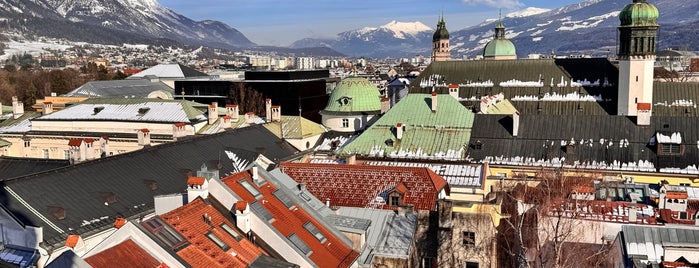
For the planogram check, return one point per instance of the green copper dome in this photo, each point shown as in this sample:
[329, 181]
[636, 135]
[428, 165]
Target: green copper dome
[354, 94]
[441, 33]
[639, 13]
[499, 46]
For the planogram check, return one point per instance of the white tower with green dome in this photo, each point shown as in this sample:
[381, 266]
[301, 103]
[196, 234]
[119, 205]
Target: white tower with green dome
[637, 32]
[500, 48]
[353, 105]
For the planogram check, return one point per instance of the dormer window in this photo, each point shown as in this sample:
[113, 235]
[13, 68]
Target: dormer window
[670, 144]
[345, 100]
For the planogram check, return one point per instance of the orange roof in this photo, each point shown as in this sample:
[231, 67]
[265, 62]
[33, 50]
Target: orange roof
[89, 140]
[434, 93]
[202, 251]
[357, 185]
[240, 205]
[250, 113]
[212, 106]
[643, 106]
[585, 189]
[180, 124]
[48, 102]
[385, 99]
[401, 187]
[105, 137]
[332, 252]
[75, 142]
[145, 130]
[268, 100]
[231, 105]
[72, 241]
[226, 117]
[196, 181]
[453, 86]
[119, 222]
[676, 195]
[124, 254]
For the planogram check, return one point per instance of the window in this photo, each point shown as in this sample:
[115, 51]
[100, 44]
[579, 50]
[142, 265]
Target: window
[345, 122]
[302, 246]
[231, 232]
[684, 184]
[251, 189]
[314, 231]
[469, 264]
[394, 200]
[469, 238]
[428, 262]
[218, 241]
[45, 153]
[669, 149]
[66, 154]
[27, 143]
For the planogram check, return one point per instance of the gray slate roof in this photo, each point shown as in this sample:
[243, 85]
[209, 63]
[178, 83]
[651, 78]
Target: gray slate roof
[11, 167]
[131, 88]
[82, 190]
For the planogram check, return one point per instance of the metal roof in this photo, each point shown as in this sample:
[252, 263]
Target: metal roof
[80, 190]
[141, 110]
[131, 88]
[427, 135]
[20, 125]
[650, 241]
[354, 94]
[11, 167]
[173, 70]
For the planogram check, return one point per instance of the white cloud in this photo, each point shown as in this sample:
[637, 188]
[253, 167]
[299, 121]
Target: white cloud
[507, 4]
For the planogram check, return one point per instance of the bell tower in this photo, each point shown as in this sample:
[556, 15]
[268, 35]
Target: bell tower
[637, 32]
[440, 42]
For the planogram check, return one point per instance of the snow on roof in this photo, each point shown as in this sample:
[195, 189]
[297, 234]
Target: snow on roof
[674, 138]
[146, 111]
[573, 96]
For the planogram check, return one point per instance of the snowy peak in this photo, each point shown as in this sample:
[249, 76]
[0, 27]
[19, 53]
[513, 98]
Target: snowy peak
[399, 29]
[530, 11]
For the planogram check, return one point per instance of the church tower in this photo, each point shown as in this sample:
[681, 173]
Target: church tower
[637, 32]
[440, 42]
[500, 48]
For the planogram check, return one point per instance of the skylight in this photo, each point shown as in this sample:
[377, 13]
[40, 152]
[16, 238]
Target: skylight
[251, 189]
[314, 231]
[296, 240]
[218, 241]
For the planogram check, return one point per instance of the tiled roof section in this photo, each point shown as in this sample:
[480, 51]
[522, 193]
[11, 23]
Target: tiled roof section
[240, 205]
[643, 106]
[295, 127]
[76, 188]
[124, 254]
[672, 217]
[72, 241]
[139, 110]
[605, 211]
[598, 142]
[332, 252]
[172, 70]
[202, 251]
[676, 195]
[75, 142]
[362, 185]
[131, 88]
[440, 135]
[464, 175]
[196, 180]
[11, 167]
[119, 222]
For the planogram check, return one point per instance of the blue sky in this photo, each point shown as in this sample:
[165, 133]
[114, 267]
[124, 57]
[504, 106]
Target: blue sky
[281, 22]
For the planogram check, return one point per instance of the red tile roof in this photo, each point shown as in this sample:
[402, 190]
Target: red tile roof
[676, 195]
[227, 117]
[48, 102]
[241, 205]
[180, 124]
[585, 189]
[119, 222]
[643, 106]
[360, 185]
[124, 254]
[331, 253]
[75, 142]
[202, 251]
[669, 216]
[145, 130]
[453, 86]
[72, 241]
[196, 180]
[89, 140]
[231, 105]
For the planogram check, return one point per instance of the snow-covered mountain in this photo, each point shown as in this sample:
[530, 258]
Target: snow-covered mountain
[114, 21]
[588, 27]
[391, 39]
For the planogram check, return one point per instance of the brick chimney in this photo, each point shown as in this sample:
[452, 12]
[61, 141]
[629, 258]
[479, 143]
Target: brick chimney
[48, 108]
[385, 105]
[268, 110]
[250, 118]
[434, 102]
[643, 114]
[144, 137]
[226, 122]
[399, 131]
[276, 113]
[454, 91]
[213, 113]
[232, 111]
[17, 108]
[515, 124]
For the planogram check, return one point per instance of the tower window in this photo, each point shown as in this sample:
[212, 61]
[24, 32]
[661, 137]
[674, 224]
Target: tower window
[637, 78]
[345, 122]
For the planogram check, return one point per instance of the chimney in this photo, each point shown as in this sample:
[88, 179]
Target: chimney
[327, 202]
[17, 108]
[242, 216]
[268, 110]
[454, 91]
[76, 243]
[197, 186]
[385, 105]
[104, 146]
[302, 186]
[144, 137]
[515, 124]
[643, 114]
[352, 160]
[434, 101]
[399, 131]
[232, 111]
[178, 130]
[444, 209]
[89, 149]
[276, 113]
[119, 222]
[255, 174]
[48, 108]
[226, 122]
[250, 118]
[632, 214]
[213, 113]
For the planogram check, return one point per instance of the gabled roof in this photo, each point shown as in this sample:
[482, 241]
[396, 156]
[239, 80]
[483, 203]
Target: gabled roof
[125, 254]
[427, 135]
[68, 259]
[173, 70]
[19, 125]
[293, 226]
[295, 127]
[649, 241]
[362, 185]
[130, 88]
[596, 141]
[11, 167]
[202, 251]
[138, 110]
[126, 181]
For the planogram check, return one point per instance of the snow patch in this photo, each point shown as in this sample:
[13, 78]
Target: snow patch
[530, 11]
[537, 39]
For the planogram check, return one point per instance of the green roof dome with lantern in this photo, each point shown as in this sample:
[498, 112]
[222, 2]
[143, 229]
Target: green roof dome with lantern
[499, 46]
[639, 13]
[354, 94]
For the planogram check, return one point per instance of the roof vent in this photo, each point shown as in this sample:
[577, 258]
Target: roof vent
[144, 110]
[98, 109]
[58, 213]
